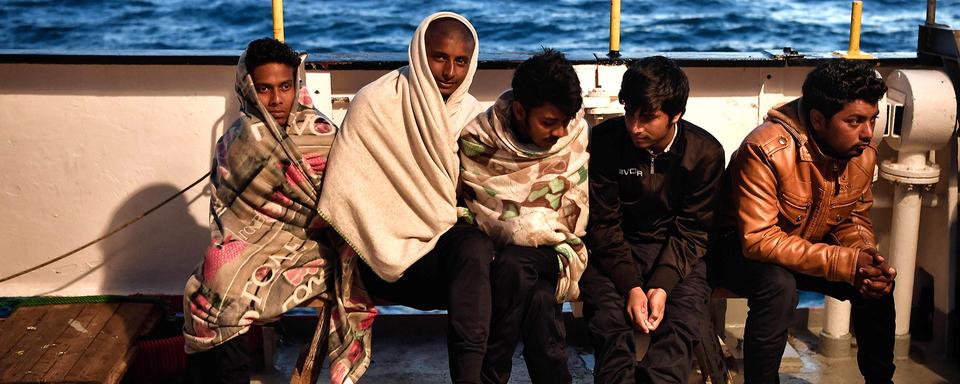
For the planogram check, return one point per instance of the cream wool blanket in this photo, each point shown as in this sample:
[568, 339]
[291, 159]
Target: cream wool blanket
[390, 189]
[524, 195]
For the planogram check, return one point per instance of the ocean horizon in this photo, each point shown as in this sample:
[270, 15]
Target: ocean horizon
[572, 26]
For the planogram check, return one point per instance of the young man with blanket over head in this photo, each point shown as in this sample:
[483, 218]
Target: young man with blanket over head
[525, 184]
[391, 188]
[653, 182]
[269, 251]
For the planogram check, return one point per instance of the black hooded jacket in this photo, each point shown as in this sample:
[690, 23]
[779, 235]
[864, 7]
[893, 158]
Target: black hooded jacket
[652, 210]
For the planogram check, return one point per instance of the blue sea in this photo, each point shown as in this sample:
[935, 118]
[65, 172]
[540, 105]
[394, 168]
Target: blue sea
[574, 26]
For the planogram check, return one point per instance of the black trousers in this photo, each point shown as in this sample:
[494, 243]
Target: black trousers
[455, 276]
[669, 357]
[524, 282]
[227, 363]
[771, 292]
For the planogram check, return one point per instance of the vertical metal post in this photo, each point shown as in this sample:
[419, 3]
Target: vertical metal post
[855, 16]
[614, 29]
[853, 51]
[278, 19]
[931, 12]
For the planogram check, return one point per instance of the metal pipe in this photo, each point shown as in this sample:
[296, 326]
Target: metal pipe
[855, 15]
[836, 322]
[835, 336]
[931, 12]
[614, 29]
[278, 20]
[904, 235]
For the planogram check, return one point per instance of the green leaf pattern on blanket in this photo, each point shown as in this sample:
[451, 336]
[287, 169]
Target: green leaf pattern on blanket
[556, 185]
[565, 250]
[553, 199]
[472, 148]
[510, 210]
[490, 191]
[534, 195]
[582, 172]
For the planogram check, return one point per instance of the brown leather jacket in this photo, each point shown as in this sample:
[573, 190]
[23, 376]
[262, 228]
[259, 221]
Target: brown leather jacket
[797, 207]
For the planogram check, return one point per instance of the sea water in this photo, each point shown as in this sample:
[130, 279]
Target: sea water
[368, 26]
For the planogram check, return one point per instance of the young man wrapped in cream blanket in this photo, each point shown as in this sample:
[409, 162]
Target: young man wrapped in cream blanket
[391, 188]
[525, 180]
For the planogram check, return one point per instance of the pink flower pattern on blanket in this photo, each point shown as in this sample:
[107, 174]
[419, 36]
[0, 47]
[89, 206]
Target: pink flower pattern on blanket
[354, 353]
[366, 323]
[200, 308]
[294, 176]
[280, 198]
[322, 126]
[296, 275]
[305, 99]
[218, 255]
[202, 330]
[338, 372]
[316, 161]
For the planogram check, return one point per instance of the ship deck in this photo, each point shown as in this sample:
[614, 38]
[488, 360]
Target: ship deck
[410, 349]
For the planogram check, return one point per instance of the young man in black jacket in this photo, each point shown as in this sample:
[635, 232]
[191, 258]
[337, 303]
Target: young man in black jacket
[653, 179]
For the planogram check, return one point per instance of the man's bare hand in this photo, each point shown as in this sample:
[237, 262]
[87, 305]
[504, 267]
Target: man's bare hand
[637, 308]
[657, 303]
[874, 277]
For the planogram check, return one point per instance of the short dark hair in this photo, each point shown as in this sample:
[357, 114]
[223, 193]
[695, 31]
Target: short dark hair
[448, 26]
[547, 77]
[267, 50]
[653, 84]
[837, 82]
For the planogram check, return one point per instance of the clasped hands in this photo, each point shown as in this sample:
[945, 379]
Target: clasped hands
[874, 276]
[646, 308]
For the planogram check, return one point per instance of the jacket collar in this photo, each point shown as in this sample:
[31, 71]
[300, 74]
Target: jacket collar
[789, 116]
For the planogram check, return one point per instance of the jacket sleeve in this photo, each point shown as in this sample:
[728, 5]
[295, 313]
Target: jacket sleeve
[754, 196]
[610, 253]
[688, 236]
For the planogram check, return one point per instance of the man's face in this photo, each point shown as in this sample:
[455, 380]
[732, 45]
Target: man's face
[544, 125]
[849, 131]
[449, 57]
[652, 132]
[275, 89]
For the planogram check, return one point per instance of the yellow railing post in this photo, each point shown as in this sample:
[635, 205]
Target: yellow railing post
[278, 19]
[853, 50]
[614, 29]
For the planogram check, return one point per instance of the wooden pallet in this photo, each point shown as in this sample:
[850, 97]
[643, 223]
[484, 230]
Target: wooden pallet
[86, 343]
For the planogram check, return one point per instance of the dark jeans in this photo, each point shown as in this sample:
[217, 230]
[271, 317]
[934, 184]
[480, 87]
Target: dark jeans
[669, 357]
[227, 363]
[455, 276]
[524, 282]
[771, 292]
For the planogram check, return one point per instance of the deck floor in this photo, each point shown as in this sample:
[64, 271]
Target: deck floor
[72, 342]
[407, 349]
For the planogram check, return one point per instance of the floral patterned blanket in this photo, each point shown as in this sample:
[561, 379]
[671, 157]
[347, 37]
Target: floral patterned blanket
[521, 194]
[270, 250]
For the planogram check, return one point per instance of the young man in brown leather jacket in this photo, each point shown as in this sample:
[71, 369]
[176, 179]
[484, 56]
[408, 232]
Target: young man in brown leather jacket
[800, 199]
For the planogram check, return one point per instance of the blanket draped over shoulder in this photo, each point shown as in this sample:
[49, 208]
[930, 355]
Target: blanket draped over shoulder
[270, 250]
[391, 185]
[521, 194]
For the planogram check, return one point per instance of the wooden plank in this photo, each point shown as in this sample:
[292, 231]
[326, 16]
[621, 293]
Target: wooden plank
[32, 346]
[15, 327]
[110, 347]
[74, 342]
[118, 370]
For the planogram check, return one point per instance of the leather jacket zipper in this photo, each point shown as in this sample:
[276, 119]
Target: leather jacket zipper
[836, 179]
